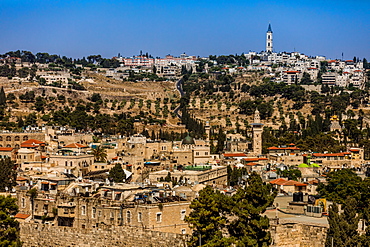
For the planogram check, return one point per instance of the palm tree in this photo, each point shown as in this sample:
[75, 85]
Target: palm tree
[100, 154]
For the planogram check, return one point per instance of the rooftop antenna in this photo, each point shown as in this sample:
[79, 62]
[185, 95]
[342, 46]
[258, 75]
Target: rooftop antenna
[342, 56]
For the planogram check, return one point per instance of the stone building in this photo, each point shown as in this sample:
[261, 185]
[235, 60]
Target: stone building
[193, 174]
[81, 206]
[14, 139]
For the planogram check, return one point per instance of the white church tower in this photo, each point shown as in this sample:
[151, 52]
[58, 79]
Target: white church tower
[269, 39]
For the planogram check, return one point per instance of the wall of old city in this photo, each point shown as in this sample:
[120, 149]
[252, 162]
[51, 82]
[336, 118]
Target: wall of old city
[33, 235]
[298, 235]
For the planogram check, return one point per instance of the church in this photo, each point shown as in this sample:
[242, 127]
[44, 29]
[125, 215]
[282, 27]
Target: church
[269, 43]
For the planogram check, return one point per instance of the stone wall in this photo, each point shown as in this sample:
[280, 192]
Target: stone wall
[289, 234]
[34, 235]
[285, 234]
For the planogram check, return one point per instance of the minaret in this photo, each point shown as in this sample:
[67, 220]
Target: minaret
[257, 128]
[207, 129]
[269, 45]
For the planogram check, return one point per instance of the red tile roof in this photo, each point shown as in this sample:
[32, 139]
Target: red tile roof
[281, 181]
[292, 72]
[22, 216]
[31, 143]
[234, 155]
[329, 154]
[251, 164]
[278, 181]
[251, 159]
[286, 148]
[75, 145]
[6, 149]
[254, 159]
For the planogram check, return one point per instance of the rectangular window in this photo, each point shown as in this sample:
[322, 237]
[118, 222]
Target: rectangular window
[182, 214]
[159, 217]
[139, 217]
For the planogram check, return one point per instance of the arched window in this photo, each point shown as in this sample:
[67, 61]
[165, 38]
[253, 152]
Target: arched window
[25, 138]
[83, 210]
[8, 146]
[1, 138]
[8, 138]
[128, 216]
[93, 213]
[16, 138]
[17, 146]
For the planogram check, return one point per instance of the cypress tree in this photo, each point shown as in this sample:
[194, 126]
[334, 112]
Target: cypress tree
[8, 174]
[250, 228]
[117, 173]
[2, 98]
[343, 226]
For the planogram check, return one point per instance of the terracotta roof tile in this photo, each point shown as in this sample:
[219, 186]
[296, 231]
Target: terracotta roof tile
[22, 216]
[75, 145]
[234, 155]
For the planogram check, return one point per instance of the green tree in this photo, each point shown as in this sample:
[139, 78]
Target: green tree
[8, 174]
[117, 173]
[9, 227]
[343, 226]
[2, 98]
[168, 177]
[220, 220]
[208, 219]
[341, 185]
[249, 227]
[221, 138]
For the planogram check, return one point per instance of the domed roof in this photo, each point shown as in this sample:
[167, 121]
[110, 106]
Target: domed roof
[188, 140]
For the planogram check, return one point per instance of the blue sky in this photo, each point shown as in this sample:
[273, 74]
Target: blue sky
[82, 28]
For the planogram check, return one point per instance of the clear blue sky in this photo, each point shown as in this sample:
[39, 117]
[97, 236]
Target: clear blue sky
[82, 28]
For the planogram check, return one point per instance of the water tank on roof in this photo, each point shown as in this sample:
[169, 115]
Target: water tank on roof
[298, 197]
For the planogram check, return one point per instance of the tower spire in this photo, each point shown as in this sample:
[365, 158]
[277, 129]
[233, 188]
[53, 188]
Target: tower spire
[269, 45]
[269, 29]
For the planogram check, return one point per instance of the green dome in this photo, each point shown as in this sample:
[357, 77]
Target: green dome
[303, 165]
[188, 140]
